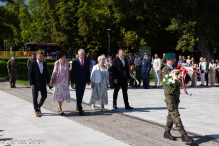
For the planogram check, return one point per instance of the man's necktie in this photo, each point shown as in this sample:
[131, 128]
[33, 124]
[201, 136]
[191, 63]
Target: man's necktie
[82, 64]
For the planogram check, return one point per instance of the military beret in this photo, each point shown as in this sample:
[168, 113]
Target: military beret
[13, 54]
[145, 54]
[33, 53]
[170, 55]
[136, 53]
[130, 54]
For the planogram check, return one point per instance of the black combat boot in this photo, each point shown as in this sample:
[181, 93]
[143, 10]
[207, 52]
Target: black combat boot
[14, 85]
[186, 138]
[11, 85]
[167, 135]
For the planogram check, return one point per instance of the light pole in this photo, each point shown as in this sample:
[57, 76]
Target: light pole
[109, 41]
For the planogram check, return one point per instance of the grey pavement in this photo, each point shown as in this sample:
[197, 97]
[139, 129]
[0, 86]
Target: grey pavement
[18, 124]
[199, 112]
[120, 126]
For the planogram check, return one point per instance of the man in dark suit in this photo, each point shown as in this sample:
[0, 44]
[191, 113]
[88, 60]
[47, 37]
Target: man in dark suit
[206, 72]
[131, 62]
[121, 76]
[146, 71]
[38, 77]
[80, 75]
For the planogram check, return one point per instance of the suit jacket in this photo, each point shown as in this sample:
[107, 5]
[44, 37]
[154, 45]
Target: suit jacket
[120, 72]
[78, 74]
[157, 65]
[35, 77]
[147, 65]
[138, 62]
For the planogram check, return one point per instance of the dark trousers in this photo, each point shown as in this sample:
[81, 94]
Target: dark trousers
[131, 82]
[138, 76]
[146, 79]
[35, 92]
[111, 80]
[79, 94]
[206, 78]
[124, 86]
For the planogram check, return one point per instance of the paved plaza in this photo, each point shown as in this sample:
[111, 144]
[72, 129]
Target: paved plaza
[199, 112]
[143, 126]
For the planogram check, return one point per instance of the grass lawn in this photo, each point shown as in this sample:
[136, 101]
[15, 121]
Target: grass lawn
[22, 77]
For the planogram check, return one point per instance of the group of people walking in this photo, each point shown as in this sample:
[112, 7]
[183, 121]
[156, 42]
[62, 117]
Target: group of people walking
[80, 77]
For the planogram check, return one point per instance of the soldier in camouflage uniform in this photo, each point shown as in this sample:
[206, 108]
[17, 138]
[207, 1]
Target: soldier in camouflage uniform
[172, 102]
[31, 59]
[13, 69]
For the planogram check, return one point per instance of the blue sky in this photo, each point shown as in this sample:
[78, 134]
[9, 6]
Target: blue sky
[4, 3]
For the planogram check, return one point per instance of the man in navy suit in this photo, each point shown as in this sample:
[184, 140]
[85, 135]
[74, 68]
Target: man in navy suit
[80, 75]
[206, 72]
[38, 76]
[146, 71]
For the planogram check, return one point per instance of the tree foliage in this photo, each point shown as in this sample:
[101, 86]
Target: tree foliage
[187, 26]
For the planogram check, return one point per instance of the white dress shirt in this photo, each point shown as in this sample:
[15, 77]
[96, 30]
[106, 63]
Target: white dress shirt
[80, 60]
[40, 64]
[171, 66]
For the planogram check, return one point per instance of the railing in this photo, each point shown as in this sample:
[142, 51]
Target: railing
[17, 53]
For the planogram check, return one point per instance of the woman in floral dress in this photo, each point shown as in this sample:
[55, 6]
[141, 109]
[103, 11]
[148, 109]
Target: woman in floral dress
[99, 84]
[61, 74]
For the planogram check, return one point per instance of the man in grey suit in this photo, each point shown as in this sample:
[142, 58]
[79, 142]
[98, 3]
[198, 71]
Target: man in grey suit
[138, 64]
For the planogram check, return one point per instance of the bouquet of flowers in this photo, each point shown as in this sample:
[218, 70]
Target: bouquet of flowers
[217, 69]
[108, 65]
[180, 65]
[177, 77]
[133, 72]
[172, 79]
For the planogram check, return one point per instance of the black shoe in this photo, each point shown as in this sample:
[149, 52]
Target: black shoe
[11, 86]
[146, 87]
[115, 107]
[167, 135]
[129, 108]
[186, 138]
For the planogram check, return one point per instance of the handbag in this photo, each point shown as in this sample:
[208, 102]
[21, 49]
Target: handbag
[53, 80]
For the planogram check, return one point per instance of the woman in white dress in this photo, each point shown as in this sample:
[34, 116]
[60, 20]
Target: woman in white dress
[99, 84]
[202, 69]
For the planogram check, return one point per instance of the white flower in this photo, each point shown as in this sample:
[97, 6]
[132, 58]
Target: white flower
[134, 72]
[173, 82]
[170, 80]
[164, 80]
[166, 76]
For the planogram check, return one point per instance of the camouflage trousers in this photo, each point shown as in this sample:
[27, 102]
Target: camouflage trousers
[172, 102]
[12, 76]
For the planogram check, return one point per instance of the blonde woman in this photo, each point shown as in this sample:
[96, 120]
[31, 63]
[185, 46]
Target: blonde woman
[99, 84]
[212, 68]
[202, 70]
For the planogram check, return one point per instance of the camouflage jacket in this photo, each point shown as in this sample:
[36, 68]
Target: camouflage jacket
[12, 65]
[29, 61]
[167, 90]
